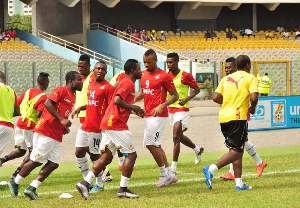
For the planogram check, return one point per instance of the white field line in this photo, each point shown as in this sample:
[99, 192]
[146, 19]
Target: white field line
[247, 175]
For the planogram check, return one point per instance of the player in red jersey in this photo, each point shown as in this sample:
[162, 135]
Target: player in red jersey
[48, 134]
[115, 133]
[89, 135]
[31, 105]
[179, 111]
[155, 83]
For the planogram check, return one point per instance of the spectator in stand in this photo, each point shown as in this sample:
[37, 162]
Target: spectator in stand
[6, 36]
[177, 30]
[213, 34]
[249, 32]
[228, 29]
[207, 35]
[269, 34]
[285, 34]
[280, 29]
[153, 35]
[230, 35]
[242, 32]
[129, 30]
[297, 34]
[12, 33]
[162, 36]
[144, 36]
[137, 36]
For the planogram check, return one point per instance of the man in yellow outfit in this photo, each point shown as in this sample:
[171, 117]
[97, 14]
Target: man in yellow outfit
[264, 84]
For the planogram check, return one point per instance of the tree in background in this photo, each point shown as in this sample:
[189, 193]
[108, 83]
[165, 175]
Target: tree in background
[20, 22]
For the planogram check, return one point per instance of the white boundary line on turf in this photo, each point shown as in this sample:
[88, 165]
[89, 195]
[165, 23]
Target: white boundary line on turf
[247, 175]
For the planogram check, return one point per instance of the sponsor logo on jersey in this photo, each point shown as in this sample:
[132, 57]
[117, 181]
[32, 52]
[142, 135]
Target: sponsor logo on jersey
[148, 91]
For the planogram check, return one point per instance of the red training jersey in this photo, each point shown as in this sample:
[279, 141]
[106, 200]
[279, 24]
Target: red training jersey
[115, 118]
[49, 126]
[121, 76]
[155, 87]
[99, 94]
[186, 79]
[81, 119]
[39, 106]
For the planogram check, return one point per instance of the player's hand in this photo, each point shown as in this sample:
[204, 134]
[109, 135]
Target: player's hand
[138, 111]
[66, 122]
[158, 110]
[66, 130]
[182, 102]
[252, 110]
[75, 113]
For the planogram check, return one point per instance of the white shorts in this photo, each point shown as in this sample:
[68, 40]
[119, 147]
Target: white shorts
[113, 140]
[5, 135]
[23, 139]
[179, 116]
[89, 139]
[45, 149]
[153, 130]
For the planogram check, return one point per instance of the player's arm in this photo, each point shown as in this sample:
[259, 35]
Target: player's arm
[50, 106]
[16, 111]
[195, 92]
[122, 104]
[253, 101]
[172, 99]
[139, 96]
[77, 111]
[218, 98]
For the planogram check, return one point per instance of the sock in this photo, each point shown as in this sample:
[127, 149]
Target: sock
[197, 149]
[18, 179]
[213, 168]
[4, 159]
[35, 183]
[163, 171]
[124, 181]
[239, 182]
[83, 166]
[251, 151]
[174, 166]
[90, 177]
[121, 160]
[99, 178]
[231, 169]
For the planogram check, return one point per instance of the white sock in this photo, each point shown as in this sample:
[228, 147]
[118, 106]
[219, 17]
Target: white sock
[239, 182]
[124, 181]
[18, 179]
[252, 152]
[99, 178]
[35, 183]
[197, 149]
[174, 165]
[121, 160]
[90, 177]
[83, 166]
[213, 168]
[163, 171]
[231, 169]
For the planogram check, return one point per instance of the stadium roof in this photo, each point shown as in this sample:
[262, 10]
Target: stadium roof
[194, 4]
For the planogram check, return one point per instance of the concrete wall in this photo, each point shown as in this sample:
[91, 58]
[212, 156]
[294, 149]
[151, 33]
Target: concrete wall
[57, 19]
[116, 47]
[74, 38]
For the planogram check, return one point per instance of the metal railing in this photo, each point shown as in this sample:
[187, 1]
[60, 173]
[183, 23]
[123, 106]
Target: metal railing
[132, 39]
[77, 48]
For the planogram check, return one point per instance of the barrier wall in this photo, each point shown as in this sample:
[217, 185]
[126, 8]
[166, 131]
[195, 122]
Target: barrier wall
[278, 112]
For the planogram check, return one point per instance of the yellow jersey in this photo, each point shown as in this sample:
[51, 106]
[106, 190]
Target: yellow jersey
[236, 89]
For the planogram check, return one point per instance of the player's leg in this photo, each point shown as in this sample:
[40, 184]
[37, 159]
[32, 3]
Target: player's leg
[121, 159]
[198, 150]
[25, 160]
[230, 174]
[82, 147]
[177, 133]
[260, 165]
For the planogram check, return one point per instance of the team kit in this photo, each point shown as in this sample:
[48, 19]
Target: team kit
[104, 108]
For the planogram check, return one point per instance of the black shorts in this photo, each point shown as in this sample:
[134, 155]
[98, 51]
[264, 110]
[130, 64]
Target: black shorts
[235, 133]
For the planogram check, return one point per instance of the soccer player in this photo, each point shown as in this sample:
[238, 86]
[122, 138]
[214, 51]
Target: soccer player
[230, 67]
[179, 111]
[31, 106]
[234, 93]
[89, 135]
[9, 108]
[155, 84]
[115, 133]
[48, 134]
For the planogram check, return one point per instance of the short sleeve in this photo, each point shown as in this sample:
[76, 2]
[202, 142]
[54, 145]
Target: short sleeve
[220, 87]
[123, 90]
[253, 85]
[56, 95]
[109, 93]
[39, 105]
[188, 79]
[168, 83]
